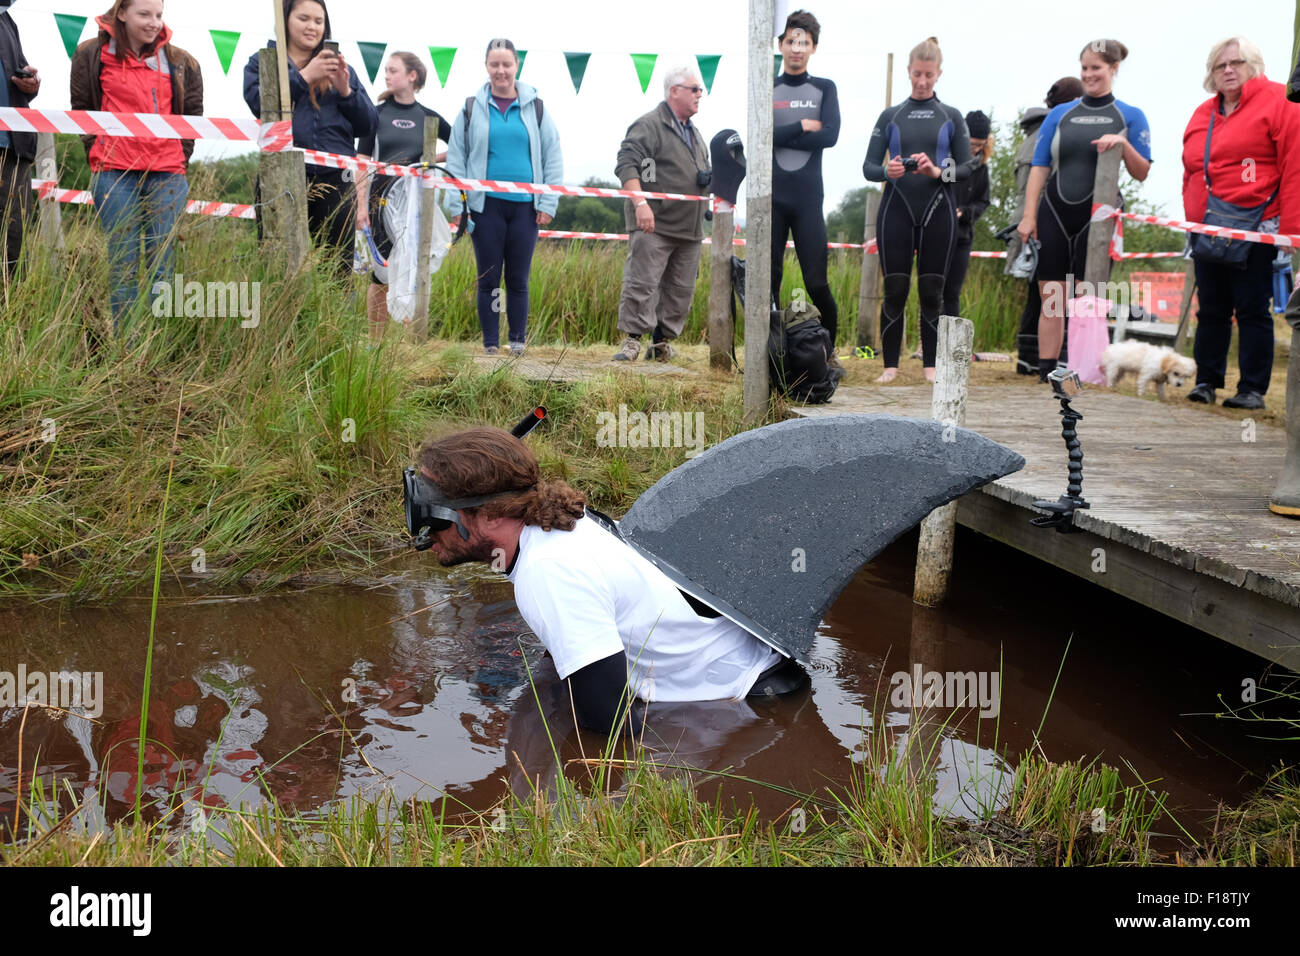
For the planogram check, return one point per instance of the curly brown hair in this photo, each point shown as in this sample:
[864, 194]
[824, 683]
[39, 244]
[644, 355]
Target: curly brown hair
[483, 461]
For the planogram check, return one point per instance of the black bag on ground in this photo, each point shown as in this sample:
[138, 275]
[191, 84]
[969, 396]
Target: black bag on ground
[798, 348]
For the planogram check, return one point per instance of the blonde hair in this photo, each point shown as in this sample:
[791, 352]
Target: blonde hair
[1248, 52]
[928, 51]
[1111, 51]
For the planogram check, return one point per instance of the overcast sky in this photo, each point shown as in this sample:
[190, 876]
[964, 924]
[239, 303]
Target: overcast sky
[999, 56]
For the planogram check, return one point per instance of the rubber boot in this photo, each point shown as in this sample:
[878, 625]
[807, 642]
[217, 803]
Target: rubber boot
[1285, 499]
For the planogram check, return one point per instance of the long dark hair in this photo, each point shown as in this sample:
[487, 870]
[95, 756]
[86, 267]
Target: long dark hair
[321, 86]
[481, 461]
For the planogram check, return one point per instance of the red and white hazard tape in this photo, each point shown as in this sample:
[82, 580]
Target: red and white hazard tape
[1102, 211]
[272, 137]
[47, 189]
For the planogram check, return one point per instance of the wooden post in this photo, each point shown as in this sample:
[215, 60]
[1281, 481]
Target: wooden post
[282, 59]
[1105, 190]
[758, 209]
[49, 223]
[722, 334]
[424, 247]
[1285, 499]
[282, 179]
[948, 405]
[1185, 313]
[869, 282]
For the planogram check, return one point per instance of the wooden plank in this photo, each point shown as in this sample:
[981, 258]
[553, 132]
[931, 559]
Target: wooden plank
[722, 333]
[1228, 612]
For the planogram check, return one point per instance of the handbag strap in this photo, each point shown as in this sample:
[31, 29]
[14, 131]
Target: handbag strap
[1206, 169]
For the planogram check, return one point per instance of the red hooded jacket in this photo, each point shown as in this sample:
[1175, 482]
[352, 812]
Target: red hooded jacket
[133, 85]
[1252, 151]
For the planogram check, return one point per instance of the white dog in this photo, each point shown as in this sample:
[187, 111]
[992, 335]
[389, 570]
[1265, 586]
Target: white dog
[1150, 363]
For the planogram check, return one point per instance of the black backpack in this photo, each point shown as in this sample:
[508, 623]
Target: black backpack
[798, 348]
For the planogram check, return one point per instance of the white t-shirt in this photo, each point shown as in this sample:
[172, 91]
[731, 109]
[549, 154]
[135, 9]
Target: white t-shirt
[588, 595]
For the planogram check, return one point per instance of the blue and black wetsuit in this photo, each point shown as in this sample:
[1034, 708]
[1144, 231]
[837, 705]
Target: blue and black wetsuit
[917, 215]
[797, 192]
[1065, 143]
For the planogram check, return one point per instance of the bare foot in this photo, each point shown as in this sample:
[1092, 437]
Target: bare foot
[888, 375]
[929, 373]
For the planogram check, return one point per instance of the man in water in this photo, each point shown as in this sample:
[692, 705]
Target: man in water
[616, 626]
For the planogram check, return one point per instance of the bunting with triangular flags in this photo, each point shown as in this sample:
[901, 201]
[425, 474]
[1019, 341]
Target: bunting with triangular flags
[225, 41]
[520, 54]
[645, 66]
[372, 54]
[577, 68]
[708, 68]
[442, 57]
[776, 65]
[70, 28]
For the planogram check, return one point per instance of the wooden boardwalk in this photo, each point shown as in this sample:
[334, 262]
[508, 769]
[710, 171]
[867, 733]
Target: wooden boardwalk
[1179, 502]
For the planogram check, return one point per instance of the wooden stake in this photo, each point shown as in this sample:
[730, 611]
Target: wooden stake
[869, 281]
[1185, 313]
[428, 202]
[282, 181]
[1105, 190]
[758, 209]
[49, 228]
[722, 333]
[282, 65]
[948, 405]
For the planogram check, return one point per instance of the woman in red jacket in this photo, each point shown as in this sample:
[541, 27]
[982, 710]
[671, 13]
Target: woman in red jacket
[1253, 160]
[139, 184]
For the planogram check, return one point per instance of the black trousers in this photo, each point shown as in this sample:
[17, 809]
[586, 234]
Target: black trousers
[15, 204]
[804, 219]
[332, 214]
[956, 276]
[900, 238]
[1222, 292]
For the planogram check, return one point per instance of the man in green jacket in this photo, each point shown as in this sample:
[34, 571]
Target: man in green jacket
[662, 152]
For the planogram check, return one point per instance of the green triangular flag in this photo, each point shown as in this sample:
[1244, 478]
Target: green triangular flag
[442, 57]
[577, 67]
[372, 54]
[708, 68]
[225, 41]
[645, 65]
[520, 54]
[70, 28]
[776, 65]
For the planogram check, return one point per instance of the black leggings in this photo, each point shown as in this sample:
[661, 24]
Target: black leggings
[931, 240]
[804, 219]
[956, 276]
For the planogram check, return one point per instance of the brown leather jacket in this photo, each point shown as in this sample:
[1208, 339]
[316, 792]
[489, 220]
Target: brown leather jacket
[86, 93]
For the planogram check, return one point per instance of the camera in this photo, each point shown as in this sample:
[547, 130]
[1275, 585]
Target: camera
[910, 164]
[703, 177]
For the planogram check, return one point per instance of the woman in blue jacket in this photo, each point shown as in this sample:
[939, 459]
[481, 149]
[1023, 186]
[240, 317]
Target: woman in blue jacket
[503, 133]
[330, 112]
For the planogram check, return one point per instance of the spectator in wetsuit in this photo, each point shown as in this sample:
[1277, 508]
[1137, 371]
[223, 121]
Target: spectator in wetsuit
[398, 139]
[1064, 90]
[917, 214]
[1058, 207]
[807, 121]
[971, 197]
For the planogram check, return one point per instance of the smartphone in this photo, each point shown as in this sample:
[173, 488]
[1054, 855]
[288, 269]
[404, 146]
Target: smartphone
[24, 74]
[332, 46]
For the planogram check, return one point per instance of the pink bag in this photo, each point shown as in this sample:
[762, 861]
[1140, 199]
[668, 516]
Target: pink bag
[1088, 337]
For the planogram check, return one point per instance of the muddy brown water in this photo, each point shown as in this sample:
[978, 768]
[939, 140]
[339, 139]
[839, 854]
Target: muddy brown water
[252, 696]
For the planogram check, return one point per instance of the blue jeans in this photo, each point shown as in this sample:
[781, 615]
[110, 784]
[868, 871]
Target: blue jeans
[134, 206]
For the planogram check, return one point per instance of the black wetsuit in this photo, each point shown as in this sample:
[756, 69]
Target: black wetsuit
[1065, 144]
[970, 198]
[398, 139]
[916, 215]
[797, 192]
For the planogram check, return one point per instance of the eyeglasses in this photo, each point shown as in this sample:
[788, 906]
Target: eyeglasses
[693, 89]
[1235, 64]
